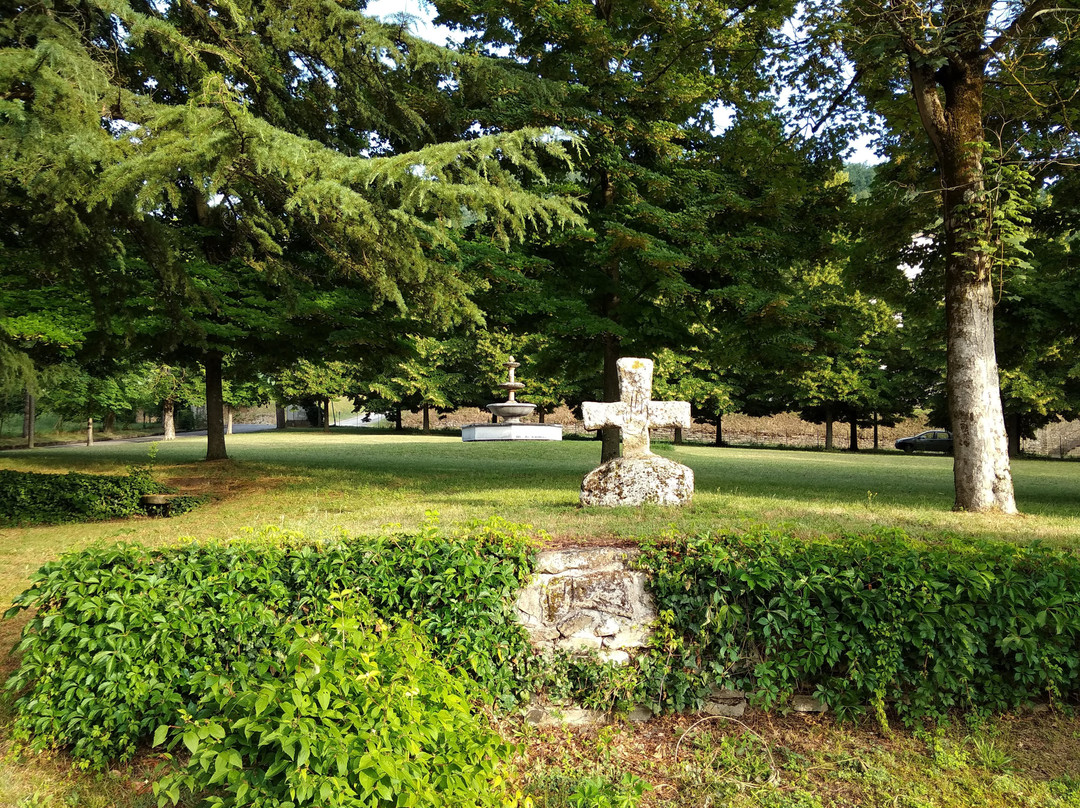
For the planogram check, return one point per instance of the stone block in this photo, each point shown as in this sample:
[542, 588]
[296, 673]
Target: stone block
[808, 704]
[629, 637]
[614, 657]
[608, 592]
[609, 628]
[637, 481]
[556, 562]
[580, 642]
[577, 623]
[639, 715]
[542, 634]
[729, 709]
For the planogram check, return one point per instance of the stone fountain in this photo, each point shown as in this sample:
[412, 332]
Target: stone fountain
[509, 413]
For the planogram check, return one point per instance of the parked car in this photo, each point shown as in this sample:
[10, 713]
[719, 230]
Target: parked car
[934, 440]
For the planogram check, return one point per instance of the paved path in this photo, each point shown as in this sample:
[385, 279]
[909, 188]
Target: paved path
[200, 433]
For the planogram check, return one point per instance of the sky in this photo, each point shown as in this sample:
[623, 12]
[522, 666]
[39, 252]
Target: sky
[861, 150]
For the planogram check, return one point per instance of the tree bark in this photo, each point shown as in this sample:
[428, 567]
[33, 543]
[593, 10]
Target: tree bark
[279, 416]
[678, 436]
[853, 434]
[215, 412]
[90, 431]
[228, 419]
[612, 436]
[110, 421]
[168, 418]
[720, 429]
[828, 429]
[953, 120]
[427, 418]
[1012, 429]
[541, 416]
[876, 444]
[326, 415]
[29, 419]
[397, 420]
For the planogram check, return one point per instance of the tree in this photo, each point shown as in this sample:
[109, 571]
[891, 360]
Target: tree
[307, 383]
[962, 61]
[270, 175]
[639, 84]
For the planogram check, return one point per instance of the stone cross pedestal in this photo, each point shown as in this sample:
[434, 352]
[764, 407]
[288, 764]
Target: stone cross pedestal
[638, 476]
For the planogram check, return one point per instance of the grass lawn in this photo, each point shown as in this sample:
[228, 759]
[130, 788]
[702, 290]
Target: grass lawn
[361, 481]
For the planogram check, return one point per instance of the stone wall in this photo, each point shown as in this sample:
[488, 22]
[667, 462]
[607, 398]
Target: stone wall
[587, 600]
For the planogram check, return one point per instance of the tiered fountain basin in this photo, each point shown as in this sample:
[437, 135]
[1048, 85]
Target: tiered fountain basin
[509, 426]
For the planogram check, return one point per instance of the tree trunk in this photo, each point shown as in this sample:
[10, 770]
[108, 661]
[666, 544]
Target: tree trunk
[29, 419]
[828, 429]
[326, 415]
[678, 436]
[611, 436]
[215, 408]
[427, 418]
[110, 422]
[397, 419]
[1012, 429]
[279, 416]
[541, 416]
[719, 429]
[954, 122]
[228, 419]
[168, 418]
[90, 431]
[853, 439]
[876, 444]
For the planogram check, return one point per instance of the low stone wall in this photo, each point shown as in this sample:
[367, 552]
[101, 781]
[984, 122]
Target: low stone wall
[587, 600]
[590, 600]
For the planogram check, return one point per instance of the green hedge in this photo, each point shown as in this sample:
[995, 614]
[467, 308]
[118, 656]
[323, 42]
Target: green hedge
[119, 634]
[350, 713]
[864, 620]
[27, 497]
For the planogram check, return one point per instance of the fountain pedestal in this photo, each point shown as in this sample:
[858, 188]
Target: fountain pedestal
[511, 411]
[511, 431]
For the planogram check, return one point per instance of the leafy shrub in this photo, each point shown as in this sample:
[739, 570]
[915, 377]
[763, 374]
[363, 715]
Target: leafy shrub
[866, 620]
[27, 497]
[356, 714]
[120, 633]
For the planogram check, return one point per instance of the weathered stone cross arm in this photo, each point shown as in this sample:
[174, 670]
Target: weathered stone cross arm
[635, 413]
[602, 414]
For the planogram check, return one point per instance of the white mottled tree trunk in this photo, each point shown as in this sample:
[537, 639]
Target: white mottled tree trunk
[981, 448]
[168, 418]
[950, 103]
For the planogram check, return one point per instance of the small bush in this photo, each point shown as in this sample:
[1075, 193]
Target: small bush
[865, 620]
[121, 633]
[30, 498]
[356, 714]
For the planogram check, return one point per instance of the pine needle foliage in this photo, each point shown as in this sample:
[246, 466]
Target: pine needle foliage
[150, 139]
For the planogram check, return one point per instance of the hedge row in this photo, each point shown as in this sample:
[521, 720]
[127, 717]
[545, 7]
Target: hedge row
[30, 498]
[126, 639]
[120, 634]
[865, 620]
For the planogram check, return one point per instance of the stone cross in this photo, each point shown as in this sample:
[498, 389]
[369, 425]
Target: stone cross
[635, 412]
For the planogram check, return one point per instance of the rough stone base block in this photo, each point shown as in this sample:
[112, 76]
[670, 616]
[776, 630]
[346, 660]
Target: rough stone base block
[587, 600]
[637, 480]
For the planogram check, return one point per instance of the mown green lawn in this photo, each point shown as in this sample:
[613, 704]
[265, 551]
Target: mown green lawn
[361, 481]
